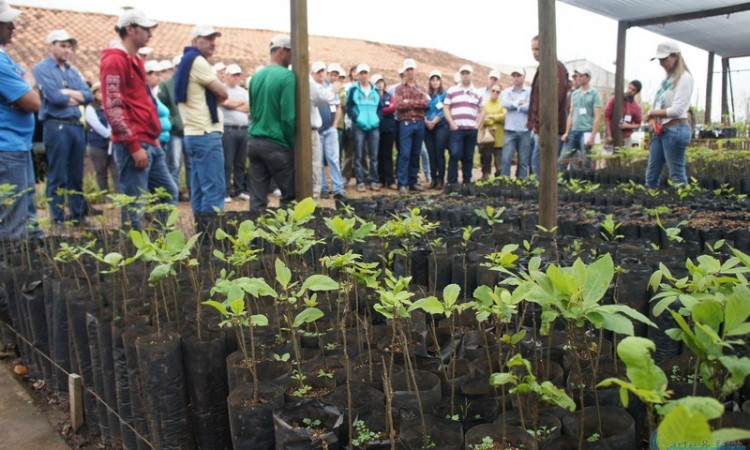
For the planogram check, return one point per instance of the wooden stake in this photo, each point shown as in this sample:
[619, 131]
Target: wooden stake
[548, 107]
[303, 136]
[75, 390]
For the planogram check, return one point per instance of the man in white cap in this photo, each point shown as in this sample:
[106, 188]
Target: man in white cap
[492, 80]
[131, 111]
[63, 91]
[18, 103]
[221, 71]
[362, 107]
[271, 144]
[329, 112]
[198, 93]
[463, 106]
[584, 118]
[235, 110]
[411, 101]
[515, 100]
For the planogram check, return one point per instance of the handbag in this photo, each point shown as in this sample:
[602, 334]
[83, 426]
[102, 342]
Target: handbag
[486, 136]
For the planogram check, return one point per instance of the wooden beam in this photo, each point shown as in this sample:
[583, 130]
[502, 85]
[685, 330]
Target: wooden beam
[724, 90]
[723, 11]
[622, 31]
[709, 88]
[301, 66]
[75, 394]
[548, 132]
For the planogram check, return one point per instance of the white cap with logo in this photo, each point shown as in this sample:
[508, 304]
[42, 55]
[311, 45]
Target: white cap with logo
[203, 31]
[135, 17]
[7, 13]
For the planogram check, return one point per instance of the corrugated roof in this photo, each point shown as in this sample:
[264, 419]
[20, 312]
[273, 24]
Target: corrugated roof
[728, 35]
[246, 47]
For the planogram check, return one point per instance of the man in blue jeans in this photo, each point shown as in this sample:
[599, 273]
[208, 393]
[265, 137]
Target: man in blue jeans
[412, 101]
[131, 111]
[63, 91]
[515, 100]
[198, 92]
[582, 126]
[18, 103]
[463, 107]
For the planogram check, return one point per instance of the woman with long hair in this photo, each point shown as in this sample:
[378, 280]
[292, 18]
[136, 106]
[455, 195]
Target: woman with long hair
[668, 117]
[437, 130]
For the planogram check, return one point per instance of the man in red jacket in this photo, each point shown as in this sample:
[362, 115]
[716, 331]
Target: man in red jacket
[131, 111]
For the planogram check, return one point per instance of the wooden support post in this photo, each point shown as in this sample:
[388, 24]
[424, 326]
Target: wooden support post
[75, 392]
[622, 30]
[724, 90]
[301, 66]
[709, 88]
[548, 129]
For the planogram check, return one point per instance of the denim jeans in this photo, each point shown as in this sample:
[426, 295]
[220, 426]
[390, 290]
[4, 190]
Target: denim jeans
[574, 148]
[436, 141]
[65, 145]
[329, 142]
[411, 137]
[235, 159]
[424, 159]
[520, 141]
[536, 150]
[135, 182]
[371, 138]
[385, 158]
[174, 159]
[462, 143]
[18, 214]
[269, 160]
[670, 148]
[207, 172]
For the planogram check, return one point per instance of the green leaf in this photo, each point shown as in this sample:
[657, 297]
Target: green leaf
[237, 307]
[628, 311]
[739, 368]
[642, 371]
[221, 234]
[729, 434]
[598, 277]
[308, 315]
[258, 320]
[739, 330]
[218, 306]
[303, 209]
[430, 305]
[159, 272]
[320, 283]
[708, 312]
[112, 259]
[500, 379]
[708, 406]
[682, 428]
[283, 274]
[173, 217]
[450, 294]
[737, 309]
[618, 324]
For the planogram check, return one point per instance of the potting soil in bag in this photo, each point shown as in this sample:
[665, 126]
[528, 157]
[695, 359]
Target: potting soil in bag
[92, 328]
[321, 431]
[252, 423]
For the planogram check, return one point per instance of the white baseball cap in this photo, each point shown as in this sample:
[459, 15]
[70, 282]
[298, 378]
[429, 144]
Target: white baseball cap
[135, 17]
[377, 77]
[281, 41]
[518, 70]
[317, 66]
[7, 13]
[335, 67]
[363, 68]
[435, 73]
[583, 70]
[234, 69]
[203, 31]
[152, 65]
[165, 64]
[494, 74]
[409, 63]
[466, 68]
[665, 49]
[145, 51]
[219, 66]
[60, 36]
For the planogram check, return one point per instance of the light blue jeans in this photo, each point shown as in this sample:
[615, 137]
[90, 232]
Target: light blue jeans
[521, 141]
[668, 148]
[574, 148]
[174, 158]
[535, 153]
[329, 142]
[17, 210]
[208, 185]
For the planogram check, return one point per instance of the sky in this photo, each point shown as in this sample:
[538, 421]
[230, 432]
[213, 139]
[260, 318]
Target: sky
[496, 31]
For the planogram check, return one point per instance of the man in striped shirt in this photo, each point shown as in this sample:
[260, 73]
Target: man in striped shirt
[463, 106]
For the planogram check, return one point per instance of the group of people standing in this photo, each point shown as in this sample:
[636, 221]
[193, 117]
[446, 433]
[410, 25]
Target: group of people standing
[143, 117]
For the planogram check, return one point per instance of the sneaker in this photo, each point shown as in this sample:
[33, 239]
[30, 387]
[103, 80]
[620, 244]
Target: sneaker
[324, 195]
[244, 196]
[393, 186]
[340, 196]
[361, 187]
[276, 193]
[403, 190]
[416, 188]
[375, 186]
[227, 199]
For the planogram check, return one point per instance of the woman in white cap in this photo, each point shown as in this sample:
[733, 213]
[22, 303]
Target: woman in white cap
[437, 131]
[668, 116]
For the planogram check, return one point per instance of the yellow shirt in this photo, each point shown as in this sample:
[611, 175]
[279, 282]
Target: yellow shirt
[195, 114]
[495, 116]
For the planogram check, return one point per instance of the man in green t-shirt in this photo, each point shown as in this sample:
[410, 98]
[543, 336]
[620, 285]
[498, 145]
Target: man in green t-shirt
[583, 122]
[271, 143]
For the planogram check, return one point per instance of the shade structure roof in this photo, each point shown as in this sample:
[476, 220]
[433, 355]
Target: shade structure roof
[719, 26]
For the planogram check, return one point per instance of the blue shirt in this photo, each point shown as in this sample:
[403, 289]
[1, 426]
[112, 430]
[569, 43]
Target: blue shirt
[16, 125]
[516, 103]
[51, 79]
[434, 111]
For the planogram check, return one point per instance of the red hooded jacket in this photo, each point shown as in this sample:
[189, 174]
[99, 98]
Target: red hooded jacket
[127, 100]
